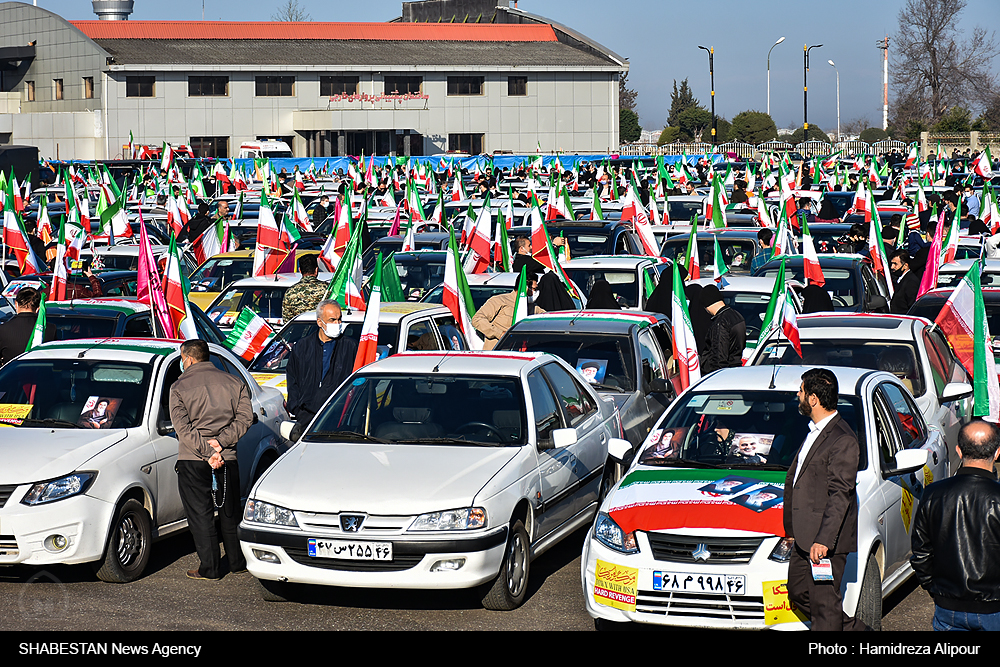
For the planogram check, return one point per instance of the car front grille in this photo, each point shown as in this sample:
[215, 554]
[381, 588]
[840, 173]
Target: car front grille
[701, 605]
[398, 563]
[6, 490]
[681, 548]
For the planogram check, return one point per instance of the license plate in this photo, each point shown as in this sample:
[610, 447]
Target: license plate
[350, 550]
[690, 582]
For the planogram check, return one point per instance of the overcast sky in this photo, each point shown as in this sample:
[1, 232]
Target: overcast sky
[660, 38]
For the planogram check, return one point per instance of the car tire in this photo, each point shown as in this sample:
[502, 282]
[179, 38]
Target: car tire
[272, 591]
[510, 587]
[869, 609]
[129, 545]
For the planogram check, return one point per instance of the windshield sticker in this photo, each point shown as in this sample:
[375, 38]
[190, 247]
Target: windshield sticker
[14, 413]
[761, 499]
[16, 286]
[698, 401]
[358, 382]
[99, 412]
[592, 370]
[663, 444]
[750, 448]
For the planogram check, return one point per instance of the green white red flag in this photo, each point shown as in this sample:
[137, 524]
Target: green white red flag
[249, 335]
[684, 343]
[368, 345]
[813, 272]
[38, 331]
[457, 296]
[774, 316]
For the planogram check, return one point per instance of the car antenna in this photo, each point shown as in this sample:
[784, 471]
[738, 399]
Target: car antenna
[100, 342]
[440, 361]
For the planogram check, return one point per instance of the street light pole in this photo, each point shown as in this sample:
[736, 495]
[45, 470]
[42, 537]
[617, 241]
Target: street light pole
[711, 73]
[805, 90]
[769, 74]
[838, 97]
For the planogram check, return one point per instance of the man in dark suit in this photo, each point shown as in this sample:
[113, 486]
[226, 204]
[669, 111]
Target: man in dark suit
[16, 332]
[820, 504]
[906, 283]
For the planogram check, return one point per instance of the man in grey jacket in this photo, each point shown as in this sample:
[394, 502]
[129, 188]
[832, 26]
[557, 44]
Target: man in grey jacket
[210, 411]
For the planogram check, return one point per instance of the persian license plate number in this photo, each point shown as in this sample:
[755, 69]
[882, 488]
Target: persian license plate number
[350, 550]
[690, 582]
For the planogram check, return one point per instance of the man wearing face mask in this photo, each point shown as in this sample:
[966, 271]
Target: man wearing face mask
[319, 364]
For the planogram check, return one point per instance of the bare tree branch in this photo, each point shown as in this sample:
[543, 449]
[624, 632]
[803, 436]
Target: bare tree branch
[291, 11]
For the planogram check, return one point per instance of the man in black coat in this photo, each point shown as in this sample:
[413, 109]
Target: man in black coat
[196, 226]
[319, 364]
[727, 334]
[906, 283]
[16, 332]
[820, 504]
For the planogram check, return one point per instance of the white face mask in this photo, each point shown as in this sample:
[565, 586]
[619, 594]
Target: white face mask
[531, 297]
[333, 329]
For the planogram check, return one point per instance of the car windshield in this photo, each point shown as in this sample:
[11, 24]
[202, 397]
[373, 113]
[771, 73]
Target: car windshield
[953, 278]
[737, 430]
[681, 211]
[265, 301]
[614, 353]
[274, 357]
[425, 409]
[840, 284]
[585, 244]
[624, 284]
[417, 277]
[72, 393]
[737, 253]
[71, 327]
[480, 293]
[219, 273]
[900, 359]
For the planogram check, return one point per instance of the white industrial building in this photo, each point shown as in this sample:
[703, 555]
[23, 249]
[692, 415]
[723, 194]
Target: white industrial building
[497, 79]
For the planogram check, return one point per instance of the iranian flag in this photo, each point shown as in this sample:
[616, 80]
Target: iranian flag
[413, 205]
[790, 324]
[595, 212]
[634, 210]
[38, 331]
[982, 165]
[911, 158]
[694, 260]
[876, 250]
[249, 335]
[479, 240]
[167, 157]
[345, 286]
[16, 239]
[209, 244]
[521, 301]
[949, 247]
[991, 212]
[456, 296]
[175, 220]
[368, 345]
[715, 216]
[501, 245]
[59, 273]
[222, 179]
[813, 272]
[299, 215]
[44, 226]
[963, 321]
[720, 264]
[685, 348]
[269, 251]
[774, 316]
[175, 290]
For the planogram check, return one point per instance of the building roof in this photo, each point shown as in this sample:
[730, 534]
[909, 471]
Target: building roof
[336, 44]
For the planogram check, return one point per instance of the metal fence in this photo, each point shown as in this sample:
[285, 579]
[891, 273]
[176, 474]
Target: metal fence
[855, 147]
[808, 148]
[774, 146]
[741, 148]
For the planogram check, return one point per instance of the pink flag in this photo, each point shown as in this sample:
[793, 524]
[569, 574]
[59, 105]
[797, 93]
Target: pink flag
[149, 290]
[930, 278]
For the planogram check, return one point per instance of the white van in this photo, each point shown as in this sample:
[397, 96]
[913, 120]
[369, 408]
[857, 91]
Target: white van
[261, 149]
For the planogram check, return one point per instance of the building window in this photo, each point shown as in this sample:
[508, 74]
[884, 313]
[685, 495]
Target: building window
[208, 86]
[57, 87]
[402, 85]
[466, 143]
[465, 85]
[275, 86]
[517, 86]
[210, 146]
[88, 87]
[139, 86]
[338, 85]
[31, 91]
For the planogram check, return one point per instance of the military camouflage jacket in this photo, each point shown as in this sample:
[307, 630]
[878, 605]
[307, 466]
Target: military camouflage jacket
[303, 297]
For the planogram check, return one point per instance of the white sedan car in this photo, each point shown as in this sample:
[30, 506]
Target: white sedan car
[76, 487]
[911, 348]
[434, 470]
[693, 534]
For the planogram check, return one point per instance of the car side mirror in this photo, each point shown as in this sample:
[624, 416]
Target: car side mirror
[956, 391]
[286, 429]
[878, 304]
[907, 461]
[659, 386]
[165, 427]
[619, 449]
[563, 437]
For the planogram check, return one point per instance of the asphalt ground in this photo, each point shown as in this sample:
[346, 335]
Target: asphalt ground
[71, 598]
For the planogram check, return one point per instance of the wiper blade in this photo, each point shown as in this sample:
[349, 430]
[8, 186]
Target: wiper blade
[344, 435]
[52, 422]
[687, 463]
[452, 441]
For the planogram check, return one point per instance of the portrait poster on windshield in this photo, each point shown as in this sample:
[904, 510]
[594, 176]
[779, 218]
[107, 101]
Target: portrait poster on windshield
[99, 412]
[592, 370]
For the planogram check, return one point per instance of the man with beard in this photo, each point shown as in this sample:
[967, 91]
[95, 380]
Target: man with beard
[820, 504]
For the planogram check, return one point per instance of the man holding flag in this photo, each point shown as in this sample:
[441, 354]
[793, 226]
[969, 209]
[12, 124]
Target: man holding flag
[16, 333]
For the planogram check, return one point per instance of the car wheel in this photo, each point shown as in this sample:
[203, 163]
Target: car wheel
[272, 591]
[129, 546]
[508, 590]
[869, 609]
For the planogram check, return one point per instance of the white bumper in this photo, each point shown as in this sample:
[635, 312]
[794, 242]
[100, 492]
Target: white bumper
[82, 519]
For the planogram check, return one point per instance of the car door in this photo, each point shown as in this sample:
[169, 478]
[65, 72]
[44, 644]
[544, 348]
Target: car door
[555, 466]
[167, 505]
[944, 369]
[653, 366]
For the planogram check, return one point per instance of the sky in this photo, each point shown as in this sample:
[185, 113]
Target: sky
[660, 38]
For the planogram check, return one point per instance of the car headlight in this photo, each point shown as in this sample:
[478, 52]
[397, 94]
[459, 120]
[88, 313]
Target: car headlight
[261, 512]
[610, 534]
[468, 518]
[57, 489]
[782, 551]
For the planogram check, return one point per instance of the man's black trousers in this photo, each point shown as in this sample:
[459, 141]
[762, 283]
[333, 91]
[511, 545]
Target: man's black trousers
[194, 482]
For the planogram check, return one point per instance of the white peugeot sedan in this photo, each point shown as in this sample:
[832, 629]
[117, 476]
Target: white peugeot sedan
[911, 348]
[89, 451]
[693, 533]
[434, 470]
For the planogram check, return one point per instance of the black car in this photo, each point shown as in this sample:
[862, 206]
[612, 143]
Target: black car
[853, 286]
[590, 237]
[739, 247]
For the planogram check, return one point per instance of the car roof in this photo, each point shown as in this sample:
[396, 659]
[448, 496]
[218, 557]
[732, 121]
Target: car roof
[589, 321]
[97, 306]
[874, 326]
[611, 262]
[782, 378]
[112, 349]
[276, 280]
[507, 364]
[963, 265]
[390, 312]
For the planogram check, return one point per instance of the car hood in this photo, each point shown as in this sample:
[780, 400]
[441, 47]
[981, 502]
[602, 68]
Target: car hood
[38, 454]
[667, 499]
[380, 479]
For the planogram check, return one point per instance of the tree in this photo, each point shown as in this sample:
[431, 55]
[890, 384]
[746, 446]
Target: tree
[815, 134]
[723, 130]
[694, 121]
[933, 63]
[958, 119]
[872, 134]
[626, 96]
[681, 100]
[753, 127]
[628, 126]
[291, 11]
[668, 136]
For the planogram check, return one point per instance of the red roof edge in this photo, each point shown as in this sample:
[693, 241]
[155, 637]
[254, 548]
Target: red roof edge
[464, 32]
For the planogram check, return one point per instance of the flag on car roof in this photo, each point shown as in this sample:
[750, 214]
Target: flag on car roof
[773, 316]
[685, 349]
[813, 272]
[38, 331]
[345, 286]
[521, 301]
[368, 345]
[16, 238]
[720, 264]
[963, 321]
[876, 250]
[59, 273]
[790, 323]
[249, 335]
[175, 291]
[457, 296]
